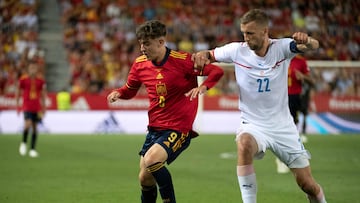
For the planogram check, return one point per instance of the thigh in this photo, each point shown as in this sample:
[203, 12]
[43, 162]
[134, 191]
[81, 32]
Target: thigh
[287, 146]
[173, 142]
[258, 134]
[31, 116]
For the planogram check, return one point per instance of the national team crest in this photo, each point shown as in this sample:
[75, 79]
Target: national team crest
[161, 89]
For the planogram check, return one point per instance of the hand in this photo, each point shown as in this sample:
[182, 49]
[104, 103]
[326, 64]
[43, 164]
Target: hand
[193, 93]
[299, 75]
[113, 96]
[301, 38]
[200, 59]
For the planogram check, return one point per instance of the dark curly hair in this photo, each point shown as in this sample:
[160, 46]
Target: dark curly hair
[151, 30]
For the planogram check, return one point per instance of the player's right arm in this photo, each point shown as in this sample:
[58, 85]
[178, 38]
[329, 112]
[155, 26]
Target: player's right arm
[203, 58]
[113, 96]
[304, 42]
[129, 90]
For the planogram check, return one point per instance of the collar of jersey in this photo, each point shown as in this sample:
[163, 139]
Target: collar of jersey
[164, 59]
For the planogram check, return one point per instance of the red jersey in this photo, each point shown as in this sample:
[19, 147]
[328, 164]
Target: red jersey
[166, 84]
[32, 89]
[298, 63]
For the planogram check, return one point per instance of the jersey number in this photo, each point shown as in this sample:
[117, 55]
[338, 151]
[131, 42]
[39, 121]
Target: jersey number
[265, 85]
[161, 101]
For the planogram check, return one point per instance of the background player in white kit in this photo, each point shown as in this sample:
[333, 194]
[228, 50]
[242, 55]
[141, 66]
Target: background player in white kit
[261, 72]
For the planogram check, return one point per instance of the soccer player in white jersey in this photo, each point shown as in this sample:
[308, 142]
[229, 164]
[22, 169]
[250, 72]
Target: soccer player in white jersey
[261, 72]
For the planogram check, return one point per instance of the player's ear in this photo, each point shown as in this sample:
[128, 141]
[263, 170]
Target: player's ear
[161, 40]
[266, 30]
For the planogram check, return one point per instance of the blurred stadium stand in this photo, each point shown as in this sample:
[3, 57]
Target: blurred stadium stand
[51, 40]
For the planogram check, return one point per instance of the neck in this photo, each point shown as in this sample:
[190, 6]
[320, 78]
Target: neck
[262, 52]
[161, 56]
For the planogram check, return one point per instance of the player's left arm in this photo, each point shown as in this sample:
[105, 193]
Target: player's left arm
[213, 73]
[309, 79]
[304, 42]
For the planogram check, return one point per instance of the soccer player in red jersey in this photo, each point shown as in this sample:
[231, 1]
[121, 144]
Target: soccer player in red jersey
[298, 76]
[171, 83]
[32, 88]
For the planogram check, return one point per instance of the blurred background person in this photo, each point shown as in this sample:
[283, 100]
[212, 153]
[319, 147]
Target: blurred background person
[298, 75]
[32, 88]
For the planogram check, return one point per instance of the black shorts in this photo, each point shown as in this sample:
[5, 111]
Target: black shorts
[295, 106]
[304, 104]
[33, 116]
[174, 142]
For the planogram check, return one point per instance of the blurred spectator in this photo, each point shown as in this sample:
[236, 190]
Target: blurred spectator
[108, 27]
[18, 41]
[344, 84]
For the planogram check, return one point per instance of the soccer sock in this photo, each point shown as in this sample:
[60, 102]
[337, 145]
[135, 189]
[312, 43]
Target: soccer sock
[320, 197]
[25, 135]
[164, 181]
[247, 183]
[304, 127]
[148, 194]
[33, 140]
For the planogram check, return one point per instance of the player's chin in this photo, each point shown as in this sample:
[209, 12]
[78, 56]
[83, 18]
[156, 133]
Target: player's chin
[148, 57]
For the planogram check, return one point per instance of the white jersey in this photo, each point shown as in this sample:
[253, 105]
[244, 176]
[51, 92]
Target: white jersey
[262, 81]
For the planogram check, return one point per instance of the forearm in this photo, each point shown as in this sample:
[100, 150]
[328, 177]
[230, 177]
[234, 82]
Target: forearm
[309, 80]
[210, 56]
[126, 93]
[311, 44]
[214, 74]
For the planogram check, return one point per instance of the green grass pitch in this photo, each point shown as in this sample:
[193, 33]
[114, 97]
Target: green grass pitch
[104, 169]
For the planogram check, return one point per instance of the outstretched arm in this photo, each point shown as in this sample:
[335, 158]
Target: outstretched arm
[305, 42]
[213, 73]
[203, 58]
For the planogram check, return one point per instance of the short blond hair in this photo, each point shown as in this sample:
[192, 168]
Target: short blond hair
[257, 15]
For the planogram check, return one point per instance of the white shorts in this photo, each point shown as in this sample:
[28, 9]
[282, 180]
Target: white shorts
[285, 143]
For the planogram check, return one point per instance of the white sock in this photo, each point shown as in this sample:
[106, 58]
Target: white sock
[247, 183]
[320, 198]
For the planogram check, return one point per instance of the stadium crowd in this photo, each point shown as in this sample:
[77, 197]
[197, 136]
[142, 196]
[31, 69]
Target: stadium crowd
[100, 42]
[18, 41]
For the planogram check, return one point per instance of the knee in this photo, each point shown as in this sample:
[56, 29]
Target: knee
[246, 145]
[145, 178]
